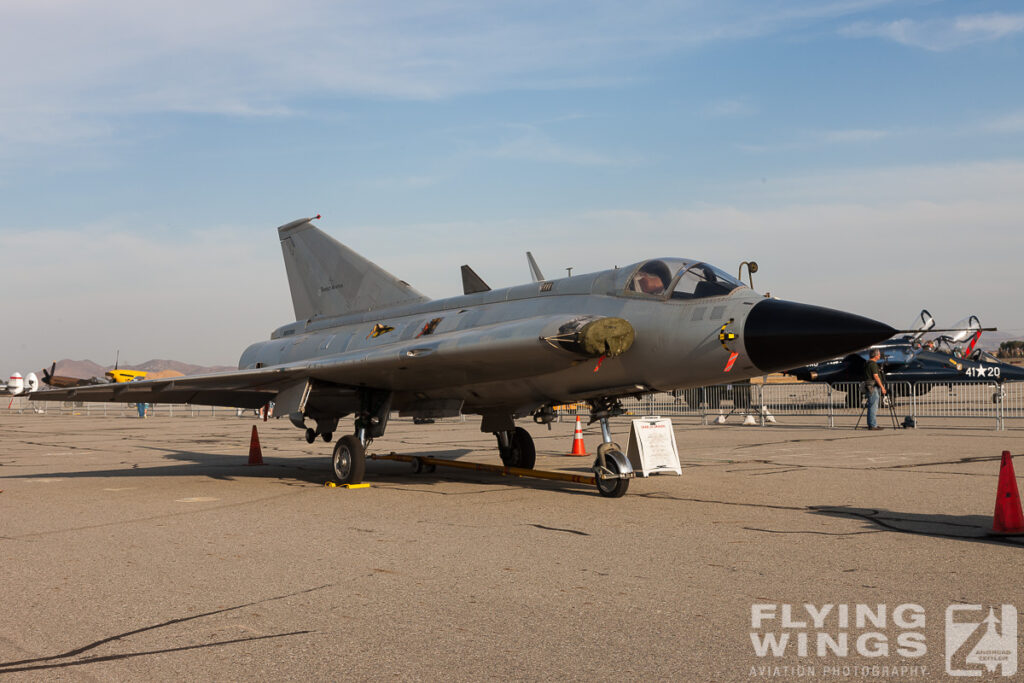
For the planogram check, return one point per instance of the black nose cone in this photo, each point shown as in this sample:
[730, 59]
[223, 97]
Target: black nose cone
[1011, 372]
[780, 335]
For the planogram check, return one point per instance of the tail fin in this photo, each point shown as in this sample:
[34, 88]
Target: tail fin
[328, 279]
[472, 283]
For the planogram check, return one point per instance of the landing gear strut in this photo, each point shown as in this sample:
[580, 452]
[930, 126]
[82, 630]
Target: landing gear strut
[516, 448]
[611, 468]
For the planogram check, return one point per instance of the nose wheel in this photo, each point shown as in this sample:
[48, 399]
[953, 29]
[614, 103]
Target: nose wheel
[610, 480]
[611, 468]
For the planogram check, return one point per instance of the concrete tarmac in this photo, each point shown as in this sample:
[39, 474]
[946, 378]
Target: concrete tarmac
[148, 550]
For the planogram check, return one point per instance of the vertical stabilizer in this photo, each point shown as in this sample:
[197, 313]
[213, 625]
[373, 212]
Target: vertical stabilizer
[472, 283]
[329, 279]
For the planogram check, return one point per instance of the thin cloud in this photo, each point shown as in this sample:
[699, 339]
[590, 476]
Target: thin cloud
[729, 109]
[808, 140]
[1010, 123]
[940, 35]
[119, 58]
[854, 135]
[534, 145]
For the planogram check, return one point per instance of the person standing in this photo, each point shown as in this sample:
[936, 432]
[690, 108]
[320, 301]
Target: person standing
[873, 375]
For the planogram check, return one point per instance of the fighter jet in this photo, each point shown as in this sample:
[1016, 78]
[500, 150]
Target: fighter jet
[365, 343]
[951, 357]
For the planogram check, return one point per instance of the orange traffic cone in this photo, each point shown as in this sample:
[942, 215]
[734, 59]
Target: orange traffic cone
[255, 452]
[578, 447]
[1008, 518]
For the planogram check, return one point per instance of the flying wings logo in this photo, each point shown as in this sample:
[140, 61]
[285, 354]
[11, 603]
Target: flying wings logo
[976, 643]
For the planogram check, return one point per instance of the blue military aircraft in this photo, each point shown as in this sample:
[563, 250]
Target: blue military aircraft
[909, 360]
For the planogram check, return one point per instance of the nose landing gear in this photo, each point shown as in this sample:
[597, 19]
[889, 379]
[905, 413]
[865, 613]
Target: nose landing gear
[611, 468]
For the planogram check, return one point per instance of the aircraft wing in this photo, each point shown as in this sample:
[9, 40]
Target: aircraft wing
[242, 389]
[498, 352]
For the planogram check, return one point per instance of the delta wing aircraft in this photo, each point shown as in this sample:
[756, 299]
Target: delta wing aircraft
[365, 343]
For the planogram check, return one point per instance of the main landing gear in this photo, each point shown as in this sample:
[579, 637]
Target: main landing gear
[611, 468]
[349, 456]
[349, 460]
[516, 448]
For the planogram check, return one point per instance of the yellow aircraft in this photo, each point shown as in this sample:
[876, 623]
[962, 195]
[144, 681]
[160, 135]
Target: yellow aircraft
[115, 375]
[124, 375]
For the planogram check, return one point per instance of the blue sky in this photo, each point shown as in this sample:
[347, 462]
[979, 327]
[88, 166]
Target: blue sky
[869, 154]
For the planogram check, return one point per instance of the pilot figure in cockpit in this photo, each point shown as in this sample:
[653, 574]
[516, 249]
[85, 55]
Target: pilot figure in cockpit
[648, 281]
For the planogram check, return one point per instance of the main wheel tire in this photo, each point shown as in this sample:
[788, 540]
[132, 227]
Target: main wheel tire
[521, 451]
[310, 435]
[327, 436]
[612, 488]
[349, 460]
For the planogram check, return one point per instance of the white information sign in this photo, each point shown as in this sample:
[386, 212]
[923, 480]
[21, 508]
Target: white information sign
[652, 447]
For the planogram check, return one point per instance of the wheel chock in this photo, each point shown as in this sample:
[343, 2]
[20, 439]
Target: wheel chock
[335, 485]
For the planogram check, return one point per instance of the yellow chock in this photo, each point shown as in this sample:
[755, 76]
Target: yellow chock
[357, 486]
[330, 484]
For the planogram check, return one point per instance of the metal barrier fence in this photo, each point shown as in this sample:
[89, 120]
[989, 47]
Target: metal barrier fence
[22, 406]
[832, 406]
[841, 404]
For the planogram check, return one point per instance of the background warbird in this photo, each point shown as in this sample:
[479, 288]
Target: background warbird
[365, 343]
[911, 361]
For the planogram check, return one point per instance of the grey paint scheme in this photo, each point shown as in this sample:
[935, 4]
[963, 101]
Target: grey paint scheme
[487, 354]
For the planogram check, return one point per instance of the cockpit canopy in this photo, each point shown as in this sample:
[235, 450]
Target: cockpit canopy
[678, 279]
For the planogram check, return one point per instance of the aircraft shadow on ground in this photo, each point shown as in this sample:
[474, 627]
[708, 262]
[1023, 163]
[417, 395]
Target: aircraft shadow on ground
[310, 469]
[972, 528]
[213, 465]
